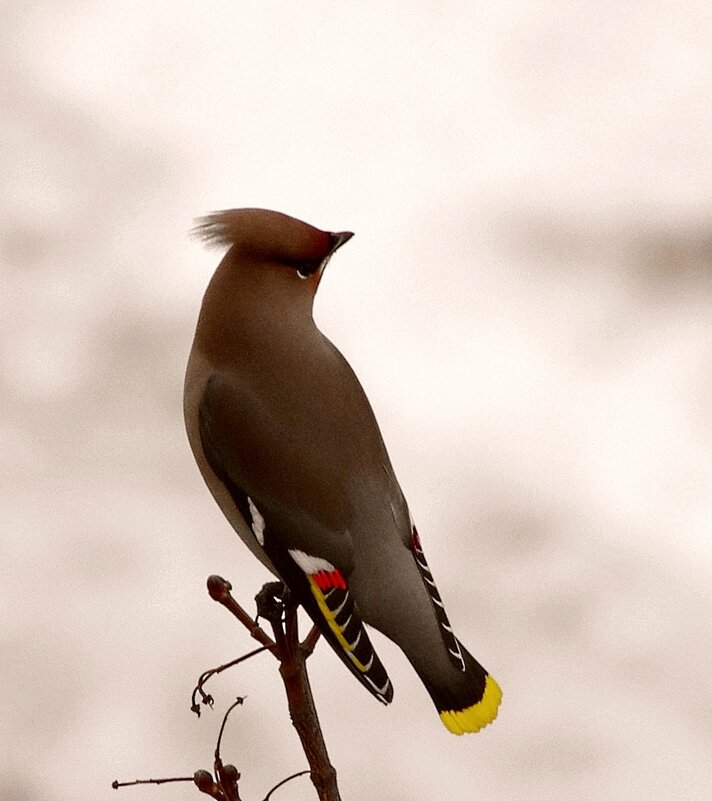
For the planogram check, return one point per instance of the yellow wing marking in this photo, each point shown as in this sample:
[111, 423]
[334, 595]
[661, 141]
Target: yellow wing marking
[334, 626]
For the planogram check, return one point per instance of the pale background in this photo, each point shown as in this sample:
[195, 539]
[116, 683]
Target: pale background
[527, 302]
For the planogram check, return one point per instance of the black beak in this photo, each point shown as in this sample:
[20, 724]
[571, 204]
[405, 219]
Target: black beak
[337, 240]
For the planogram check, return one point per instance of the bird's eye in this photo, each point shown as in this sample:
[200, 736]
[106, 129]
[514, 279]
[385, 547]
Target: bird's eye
[308, 269]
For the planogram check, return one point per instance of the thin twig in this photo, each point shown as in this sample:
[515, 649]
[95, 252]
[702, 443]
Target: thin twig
[310, 641]
[116, 784]
[227, 775]
[208, 674]
[219, 590]
[238, 702]
[284, 781]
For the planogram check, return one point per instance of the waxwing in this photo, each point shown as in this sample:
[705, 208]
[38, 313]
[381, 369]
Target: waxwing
[288, 445]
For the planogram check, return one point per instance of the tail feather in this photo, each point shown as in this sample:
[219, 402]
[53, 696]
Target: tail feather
[451, 642]
[475, 717]
[468, 701]
[465, 695]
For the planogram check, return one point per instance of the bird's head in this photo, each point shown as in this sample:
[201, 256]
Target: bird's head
[262, 237]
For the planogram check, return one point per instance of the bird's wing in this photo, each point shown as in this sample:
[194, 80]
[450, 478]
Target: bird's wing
[451, 642]
[253, 455]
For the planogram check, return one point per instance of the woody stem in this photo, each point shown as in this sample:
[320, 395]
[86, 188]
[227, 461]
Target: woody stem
[302, 710]
[292, 656]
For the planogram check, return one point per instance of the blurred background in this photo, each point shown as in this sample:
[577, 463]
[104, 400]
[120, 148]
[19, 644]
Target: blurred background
[527, 303]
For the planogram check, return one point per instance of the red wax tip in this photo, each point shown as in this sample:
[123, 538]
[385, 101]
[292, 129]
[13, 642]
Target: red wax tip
[325, 581]
[416, 541]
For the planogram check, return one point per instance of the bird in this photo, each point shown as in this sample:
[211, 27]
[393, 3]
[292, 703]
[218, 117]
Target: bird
[288, 444]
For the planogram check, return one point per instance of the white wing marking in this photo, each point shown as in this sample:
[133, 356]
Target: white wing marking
[258, 523]
[310, 564]
[380, 690]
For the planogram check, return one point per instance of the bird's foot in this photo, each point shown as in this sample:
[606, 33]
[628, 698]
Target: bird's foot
[271, 601]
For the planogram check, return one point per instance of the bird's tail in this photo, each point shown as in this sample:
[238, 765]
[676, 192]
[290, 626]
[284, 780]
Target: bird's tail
[466, 700]
[464, 693]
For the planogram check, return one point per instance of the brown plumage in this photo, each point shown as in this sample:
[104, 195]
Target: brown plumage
[286, 440]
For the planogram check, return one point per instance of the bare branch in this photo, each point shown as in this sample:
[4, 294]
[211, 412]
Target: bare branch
[284, 781]
[227, 775]
[302, 710]
[219, 590]
[208, 674]
[116, 784]
[238, 702]
[310, 641]
[275, 605]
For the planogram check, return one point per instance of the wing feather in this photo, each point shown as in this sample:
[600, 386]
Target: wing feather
[324, 594]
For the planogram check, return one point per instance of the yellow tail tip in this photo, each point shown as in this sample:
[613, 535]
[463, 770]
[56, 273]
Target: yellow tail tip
[477, 716]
